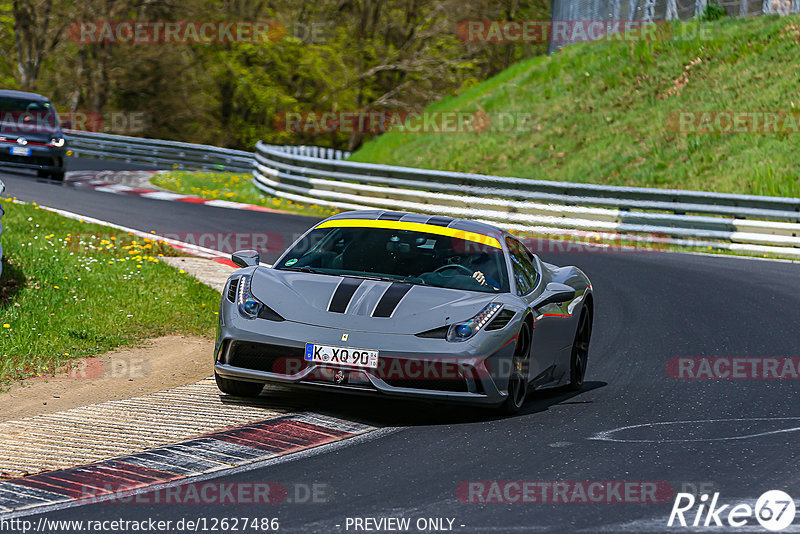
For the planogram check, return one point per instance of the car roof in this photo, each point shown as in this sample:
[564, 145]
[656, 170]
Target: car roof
[22, 94]
[438, 220]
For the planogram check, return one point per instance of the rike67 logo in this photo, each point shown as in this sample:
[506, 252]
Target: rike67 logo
[774, 511]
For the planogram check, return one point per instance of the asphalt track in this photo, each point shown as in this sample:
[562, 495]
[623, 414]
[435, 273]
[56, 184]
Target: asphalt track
[650, 307]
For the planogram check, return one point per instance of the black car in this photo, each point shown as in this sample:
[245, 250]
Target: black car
[31, 135]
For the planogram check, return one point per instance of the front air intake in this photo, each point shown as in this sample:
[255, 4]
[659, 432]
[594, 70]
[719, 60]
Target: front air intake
[232, 287]
[501, 321]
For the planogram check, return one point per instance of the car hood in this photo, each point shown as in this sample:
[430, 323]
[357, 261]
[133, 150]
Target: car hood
[306, 297]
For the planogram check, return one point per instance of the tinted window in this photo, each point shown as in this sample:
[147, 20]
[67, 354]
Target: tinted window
[404, 255]
[22, 115]
[524, 271]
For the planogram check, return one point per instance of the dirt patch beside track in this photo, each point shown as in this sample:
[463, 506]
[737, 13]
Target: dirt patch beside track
[160, 364]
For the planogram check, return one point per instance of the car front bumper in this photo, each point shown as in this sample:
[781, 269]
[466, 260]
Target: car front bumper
[410, 367]
[42, 158]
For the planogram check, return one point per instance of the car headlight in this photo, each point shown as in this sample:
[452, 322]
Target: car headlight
[249, 306]
[57, 142]
[464, 331]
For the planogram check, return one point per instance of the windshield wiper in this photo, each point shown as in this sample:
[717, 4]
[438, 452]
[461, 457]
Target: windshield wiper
[407, 279]
[376, 278]
[302, 270]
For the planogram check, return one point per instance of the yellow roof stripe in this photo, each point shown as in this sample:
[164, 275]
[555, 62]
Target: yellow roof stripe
[412, 227]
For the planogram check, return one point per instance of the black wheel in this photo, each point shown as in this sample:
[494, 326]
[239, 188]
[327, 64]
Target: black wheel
[580, 351]
[518, 380]
[237, 388]
[53, 175]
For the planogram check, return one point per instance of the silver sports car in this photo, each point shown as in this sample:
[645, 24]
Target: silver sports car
[407, 306]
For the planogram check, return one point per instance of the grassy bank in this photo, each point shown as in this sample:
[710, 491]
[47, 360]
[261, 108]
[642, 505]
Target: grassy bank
[71, 290]
[235, 187]
[600, 113]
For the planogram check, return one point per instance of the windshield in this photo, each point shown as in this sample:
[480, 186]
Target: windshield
[409, 256]
[23, 115]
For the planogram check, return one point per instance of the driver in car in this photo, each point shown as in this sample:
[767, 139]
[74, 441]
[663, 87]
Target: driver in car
[481, 264]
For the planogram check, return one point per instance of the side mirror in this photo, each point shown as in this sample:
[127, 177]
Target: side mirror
[554, 293]
[245, 258]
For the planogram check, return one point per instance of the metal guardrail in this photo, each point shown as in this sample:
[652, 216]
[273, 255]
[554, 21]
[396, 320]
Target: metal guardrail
[694, 218]
[748, 223]
[157, 153]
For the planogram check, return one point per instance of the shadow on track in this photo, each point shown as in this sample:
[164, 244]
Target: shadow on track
[381, 412]
[26, 173]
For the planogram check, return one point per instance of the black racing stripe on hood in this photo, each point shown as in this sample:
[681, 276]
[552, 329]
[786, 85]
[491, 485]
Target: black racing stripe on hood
[440, 221]
[390, 299]
[344, 292]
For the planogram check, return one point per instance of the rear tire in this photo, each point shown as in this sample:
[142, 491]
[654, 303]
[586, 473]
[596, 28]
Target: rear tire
[238, 388]
[52, 175]
[580, 351]
[518, 379]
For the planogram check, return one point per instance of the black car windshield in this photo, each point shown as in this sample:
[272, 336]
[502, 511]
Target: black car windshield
[24, 115]
[403, 255]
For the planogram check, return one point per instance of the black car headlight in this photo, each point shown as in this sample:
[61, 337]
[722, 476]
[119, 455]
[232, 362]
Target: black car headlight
[464, 331]
[249, 306]
[57, 142]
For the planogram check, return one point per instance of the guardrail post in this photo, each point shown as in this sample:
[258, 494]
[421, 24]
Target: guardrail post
[672, 10]
[649, 10]
[700, 7]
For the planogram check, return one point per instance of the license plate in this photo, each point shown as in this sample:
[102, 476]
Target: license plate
[20, 151]
[341, 356]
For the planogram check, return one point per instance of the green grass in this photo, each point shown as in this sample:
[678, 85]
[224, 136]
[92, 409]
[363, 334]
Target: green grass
[235, 187]
[600, 113]
[72, 290]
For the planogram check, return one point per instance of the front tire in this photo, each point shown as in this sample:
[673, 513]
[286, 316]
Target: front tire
[580, 351]
[518, 379]
[237, 388]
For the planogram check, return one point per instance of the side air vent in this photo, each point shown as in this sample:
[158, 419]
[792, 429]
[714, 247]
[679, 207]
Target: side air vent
[501, 321]
[232, 288]
[436, 333]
